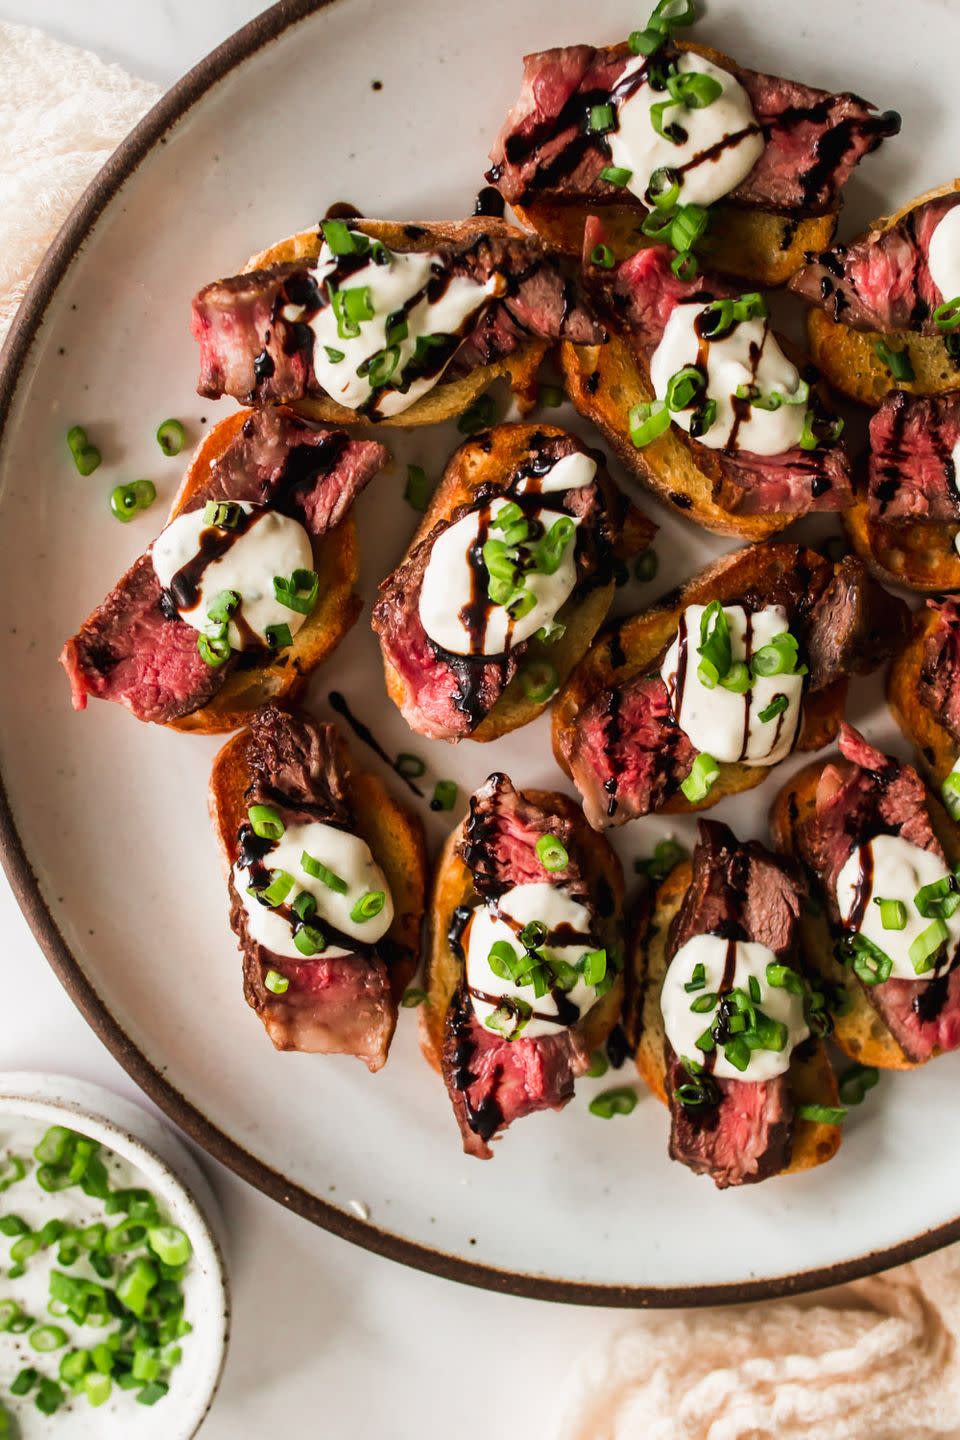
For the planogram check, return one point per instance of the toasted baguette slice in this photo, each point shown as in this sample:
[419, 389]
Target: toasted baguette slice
[811, 1077]
[919, 555]
[756, 245]
[449, 398]
[936, 749]
[848, 357]
[487, 461]
[394, 835]
[453, 887]
[860, 1033]
[631, 647]
[336, 561]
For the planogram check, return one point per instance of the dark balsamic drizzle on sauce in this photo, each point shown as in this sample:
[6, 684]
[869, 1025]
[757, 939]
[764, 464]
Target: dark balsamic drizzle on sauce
[489, 202]
[338, 702]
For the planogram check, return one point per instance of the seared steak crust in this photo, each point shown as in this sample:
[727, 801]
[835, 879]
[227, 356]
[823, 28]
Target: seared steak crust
[912, 475]
[939, 686]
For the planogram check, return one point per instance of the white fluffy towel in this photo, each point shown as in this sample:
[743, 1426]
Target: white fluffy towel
[876, 1360]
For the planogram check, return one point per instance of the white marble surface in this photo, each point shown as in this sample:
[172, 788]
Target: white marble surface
[328, 1341]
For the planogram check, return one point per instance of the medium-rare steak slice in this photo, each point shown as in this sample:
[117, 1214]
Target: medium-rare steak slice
[854, 627]
[546, 150]
[912, 473]
[939, 686]
[882, 281]
[336, 1004]
[737, 892]
[134, 648]
[865, 795]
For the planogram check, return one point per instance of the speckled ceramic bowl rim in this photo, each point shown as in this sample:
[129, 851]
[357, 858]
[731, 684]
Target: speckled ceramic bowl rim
[253, 37]
[115, 1122]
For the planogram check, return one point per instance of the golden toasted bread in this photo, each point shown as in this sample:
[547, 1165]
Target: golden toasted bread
[861, 1033]
[634, 647]
[919, 555]
[453, 887]
[450, 397]
[395, 838]
[491, 460]
[336, 561]
[756, 245]
[848, 357]
[811, 1077]
[936, 749]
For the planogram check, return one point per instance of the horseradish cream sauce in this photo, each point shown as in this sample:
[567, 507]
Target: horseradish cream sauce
[890, 868]
[397, 288]
[723, 139]
[720, 722]
[455, 574]
[748, 355]
[503, 920]
[570, 472]
[349, 858]
[727, 965]
[270, 545]
[943, 255]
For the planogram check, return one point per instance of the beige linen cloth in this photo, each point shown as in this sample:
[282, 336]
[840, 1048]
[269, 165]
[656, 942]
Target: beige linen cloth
[876, 1360]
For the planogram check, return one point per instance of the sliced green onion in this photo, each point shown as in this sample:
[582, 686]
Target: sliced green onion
[480, 416]
[647, 421]
[323, 873]
[224, 514]
[352, 309]
[412, 997]
[12, 1171]
[685, 266]
[893, 913]
[950, 792]
[608, 1103]
[305, 906]
[715, 646]
[310, 941]
[668, 131]
[368, 906]
[503, 960]
[705, 1003]
[9, 1310]
[86, 457]
[49, 1397]
[152, 1392]
[171, 436]
[548, 553]
[929, 942]
[684, 387]
[334, 355]
[274, 894]
[411, 767]
[897, 361]
[601, 119]
[666, 854]
[870, 964]
[540, 680]
[938, 900]
[599, 1065]
[135, 1285]
[45, 1338]
[594, 966]
[341, 240]
[444, 795]
[646, 567]
[299, 592]
[278, 636]
[127, 500]
[855, 1081]
[265, 822]
[225, 605]
[170, 1244]
[276, 983]
[821, 1114]
[97, 1388]
[694, 89]
[550, 396]
[737, 679]
[603, 256]
[779, 657]
[663, 191]
[510, 1017]
[946, 317]
[417, 492]
[716, 319]
[74, 1365]
[616, 175]
[750, 307]
[552, 853]
[697, 981]
[777, 706]
[703, 776]
[214, 649]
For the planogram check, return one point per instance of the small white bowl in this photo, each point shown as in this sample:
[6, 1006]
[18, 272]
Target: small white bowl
[171, 1172]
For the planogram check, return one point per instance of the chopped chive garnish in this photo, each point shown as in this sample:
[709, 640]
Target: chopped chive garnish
[44, 1338]
[602, 256]
[171, 436]
[444, 795]
[265, 822]
[86, 457]
[214, 649]
[278, 636]
[539, 680]
[127, 500]
[224, 514]
[299, 592]
[599, 1065]
[323, 873]
[893, 913]
[616, 175]
[647, 422]
[310, 940]
[552, 853]
[608, 1103]
[927, 946]
[703, 776]
[274, 894]
[276, 983]
[776, 707]
[601, 119]
[368, 906]
[417, 492]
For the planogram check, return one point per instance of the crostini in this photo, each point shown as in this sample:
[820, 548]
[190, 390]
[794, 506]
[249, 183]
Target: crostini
[672, 137]
[505, 583]
[905, 519]
[524, 961]
[731, 1032]
[923, 688]
[882, 856]
[377, 321]
[327, 880]
[247, 589]
[887, 305]
[696, 698]
[699, 398]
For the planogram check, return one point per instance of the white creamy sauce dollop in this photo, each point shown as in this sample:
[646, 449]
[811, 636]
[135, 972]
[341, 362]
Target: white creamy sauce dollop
[943, 255]
[896, 871]
[683, 1026]
[719, 722]
[571, 472]
[524, 904]
[636, 146]
[349, 858]
[390, 287]
[449, 581]
[273, 545]
[732, 361]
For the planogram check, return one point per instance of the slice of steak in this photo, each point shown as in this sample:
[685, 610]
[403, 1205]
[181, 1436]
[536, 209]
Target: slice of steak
[740, 892]
[641, 295]
[333, 1004]
[250, 349]
[546, 151]
[134, 648]
[912, 475]
[883, 281]
[854, 626]
[627, 754]
[445, 695]
[491, 1081]
[939, 685]
[875, 794]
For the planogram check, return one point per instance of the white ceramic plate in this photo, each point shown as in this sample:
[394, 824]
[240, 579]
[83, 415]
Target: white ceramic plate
[107, 840]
